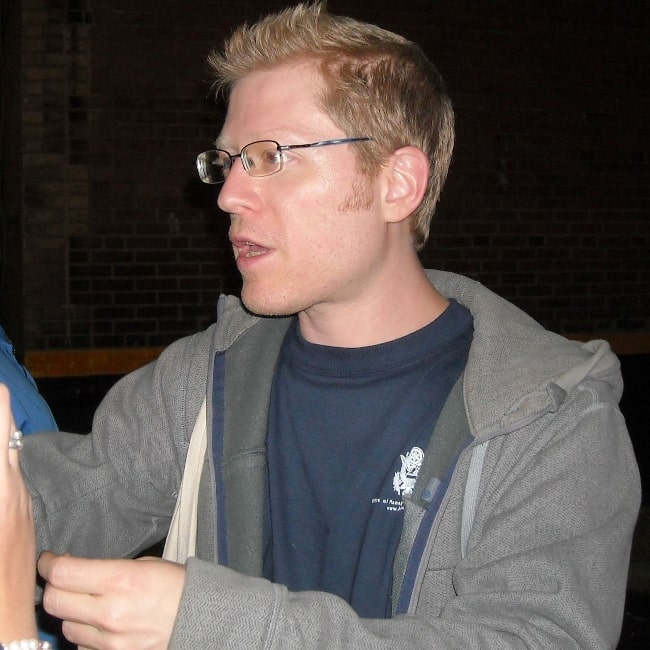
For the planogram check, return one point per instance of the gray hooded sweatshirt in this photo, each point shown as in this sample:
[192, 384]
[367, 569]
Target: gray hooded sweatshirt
[527, 545]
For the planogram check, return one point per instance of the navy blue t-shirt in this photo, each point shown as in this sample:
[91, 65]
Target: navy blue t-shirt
[347, 432]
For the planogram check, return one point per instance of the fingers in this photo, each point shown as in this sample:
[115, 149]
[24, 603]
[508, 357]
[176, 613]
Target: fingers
[71, 594]
[6, 418]
[17, 545]
[85, 637]
[7, 428]
[75, 574]
[15, 502]
[106, 603]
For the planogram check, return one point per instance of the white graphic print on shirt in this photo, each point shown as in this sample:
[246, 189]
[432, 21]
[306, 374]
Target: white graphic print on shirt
[403, 480]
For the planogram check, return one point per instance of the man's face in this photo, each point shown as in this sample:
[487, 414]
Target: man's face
[310, 236]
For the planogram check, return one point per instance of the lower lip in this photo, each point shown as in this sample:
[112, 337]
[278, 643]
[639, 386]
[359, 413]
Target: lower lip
[245, 263]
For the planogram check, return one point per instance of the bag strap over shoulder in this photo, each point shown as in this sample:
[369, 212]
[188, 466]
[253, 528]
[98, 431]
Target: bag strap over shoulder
[181, 538]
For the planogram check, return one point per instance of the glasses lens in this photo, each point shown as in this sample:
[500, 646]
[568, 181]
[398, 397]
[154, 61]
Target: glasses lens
[262, 158]
[213, 166]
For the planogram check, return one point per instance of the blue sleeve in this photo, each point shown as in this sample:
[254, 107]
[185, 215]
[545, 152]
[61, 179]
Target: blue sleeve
[31, 412]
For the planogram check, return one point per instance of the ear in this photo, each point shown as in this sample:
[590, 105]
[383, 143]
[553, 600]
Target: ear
[406, 175]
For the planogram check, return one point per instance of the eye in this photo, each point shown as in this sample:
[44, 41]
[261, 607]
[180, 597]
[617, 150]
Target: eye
[222, 163]
[272, 157]
[262, 158]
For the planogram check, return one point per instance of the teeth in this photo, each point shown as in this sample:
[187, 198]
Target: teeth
[254, 250]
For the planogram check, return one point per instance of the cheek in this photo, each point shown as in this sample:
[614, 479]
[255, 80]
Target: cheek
[336, 246]
[324, 213]
[305, 207]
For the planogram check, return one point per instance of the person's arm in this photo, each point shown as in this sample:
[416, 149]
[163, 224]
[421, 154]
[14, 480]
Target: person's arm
[17, 570]
[111, 493]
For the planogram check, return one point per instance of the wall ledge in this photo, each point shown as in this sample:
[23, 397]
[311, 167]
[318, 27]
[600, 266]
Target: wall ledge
[77, 362]
[621, 342]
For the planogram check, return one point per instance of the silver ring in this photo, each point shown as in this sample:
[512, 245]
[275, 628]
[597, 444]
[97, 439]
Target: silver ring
[16, 440]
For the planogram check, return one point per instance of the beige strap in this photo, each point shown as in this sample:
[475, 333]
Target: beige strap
[181, 538]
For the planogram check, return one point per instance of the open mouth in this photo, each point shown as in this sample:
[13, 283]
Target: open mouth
[248, 249]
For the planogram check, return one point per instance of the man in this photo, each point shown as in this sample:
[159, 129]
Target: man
[387, 457]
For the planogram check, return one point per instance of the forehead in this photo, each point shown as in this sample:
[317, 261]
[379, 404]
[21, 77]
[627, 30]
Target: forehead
[282, 101]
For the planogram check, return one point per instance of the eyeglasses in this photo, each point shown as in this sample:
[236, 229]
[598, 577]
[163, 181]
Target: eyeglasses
[260, 158]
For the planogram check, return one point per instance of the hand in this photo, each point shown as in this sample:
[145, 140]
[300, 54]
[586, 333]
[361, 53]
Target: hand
[17, 546]
[111, 604]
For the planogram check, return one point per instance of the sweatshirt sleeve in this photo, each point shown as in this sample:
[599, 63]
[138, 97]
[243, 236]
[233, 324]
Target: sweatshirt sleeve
[111, 493]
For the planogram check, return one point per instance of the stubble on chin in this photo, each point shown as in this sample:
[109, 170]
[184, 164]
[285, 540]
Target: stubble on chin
[266, 305]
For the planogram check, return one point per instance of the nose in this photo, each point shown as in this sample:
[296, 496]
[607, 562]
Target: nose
[237, 191]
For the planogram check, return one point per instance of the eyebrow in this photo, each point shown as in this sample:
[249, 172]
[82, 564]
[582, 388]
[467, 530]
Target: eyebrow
[274, 134]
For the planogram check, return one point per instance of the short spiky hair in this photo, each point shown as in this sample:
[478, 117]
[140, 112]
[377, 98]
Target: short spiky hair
[377, 83]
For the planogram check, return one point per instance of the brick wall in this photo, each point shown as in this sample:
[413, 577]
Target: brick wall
[547, 201]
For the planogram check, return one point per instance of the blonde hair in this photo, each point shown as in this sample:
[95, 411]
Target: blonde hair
[377, 84]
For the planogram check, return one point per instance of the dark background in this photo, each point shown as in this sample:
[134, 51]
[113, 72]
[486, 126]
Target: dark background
[109, 238]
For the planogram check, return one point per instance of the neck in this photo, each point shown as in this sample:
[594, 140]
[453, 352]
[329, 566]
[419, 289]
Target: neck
[397, 304]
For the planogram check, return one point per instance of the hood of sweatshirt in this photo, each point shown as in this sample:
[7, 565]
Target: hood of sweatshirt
[518, 371]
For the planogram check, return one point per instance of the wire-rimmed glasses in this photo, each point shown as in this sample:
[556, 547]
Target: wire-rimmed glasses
[259, 158]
